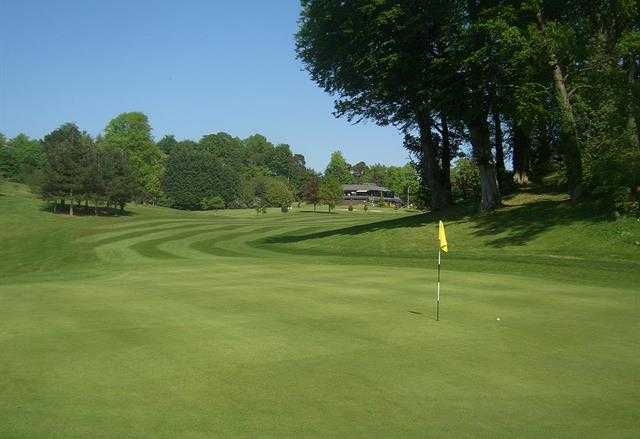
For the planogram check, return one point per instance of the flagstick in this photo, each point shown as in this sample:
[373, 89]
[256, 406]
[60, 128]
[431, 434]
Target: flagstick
[438, 299]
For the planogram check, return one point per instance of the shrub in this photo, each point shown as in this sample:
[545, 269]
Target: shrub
[212, 203]
[465, 180]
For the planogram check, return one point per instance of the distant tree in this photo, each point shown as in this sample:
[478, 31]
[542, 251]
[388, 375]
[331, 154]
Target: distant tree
[117, 182]
[3, 151]
[167, 144]
[257, 149]
[378, 174]
[67, 151]
[131, 132]
[194, 173]
[247, 192]
[278, 161]
[279, 194]
[465, 177]
[20, 157]
[298, 174]
[28, 156]
[312, 191]
[358, 171]
[226, 148]
[403, 180]
[338, 168]
[330, 192]
[212, 203]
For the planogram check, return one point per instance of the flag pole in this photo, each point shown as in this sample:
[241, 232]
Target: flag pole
[438, 298]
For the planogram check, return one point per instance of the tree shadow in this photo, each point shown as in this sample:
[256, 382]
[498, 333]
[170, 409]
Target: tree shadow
[420, 220]
[517, 225]
[317, 212]
[514, 225]
[86, 211]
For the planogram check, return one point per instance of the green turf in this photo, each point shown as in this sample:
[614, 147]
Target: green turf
[174, 324]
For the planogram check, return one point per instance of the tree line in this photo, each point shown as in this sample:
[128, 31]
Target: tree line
[72, 170]
[554, 86]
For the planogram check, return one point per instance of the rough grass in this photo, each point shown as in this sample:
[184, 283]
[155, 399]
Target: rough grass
[175, 324]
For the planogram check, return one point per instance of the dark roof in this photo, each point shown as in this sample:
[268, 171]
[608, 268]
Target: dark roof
[364, 187]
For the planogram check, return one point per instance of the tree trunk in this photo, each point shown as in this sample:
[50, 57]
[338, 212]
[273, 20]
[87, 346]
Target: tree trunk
[430, 163]
[572, 154]
[521, 148]
[480, 141]
[489, 184]
[499, 141]
[71, 205]
[543, 151]
[499, 146]
[446, 159]
[632, 124]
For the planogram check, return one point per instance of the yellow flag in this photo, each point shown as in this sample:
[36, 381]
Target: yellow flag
[442, 237]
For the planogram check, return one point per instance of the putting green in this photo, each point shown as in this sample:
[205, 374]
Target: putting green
[174, 324]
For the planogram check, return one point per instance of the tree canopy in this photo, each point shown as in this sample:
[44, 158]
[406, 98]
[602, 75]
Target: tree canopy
[552, 84]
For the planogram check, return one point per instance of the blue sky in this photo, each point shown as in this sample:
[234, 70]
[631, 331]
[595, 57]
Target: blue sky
[194, 67]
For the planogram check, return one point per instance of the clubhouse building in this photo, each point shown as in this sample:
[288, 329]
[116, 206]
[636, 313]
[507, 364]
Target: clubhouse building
[368, 192]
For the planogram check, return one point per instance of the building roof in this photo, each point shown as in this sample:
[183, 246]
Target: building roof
[364, 187]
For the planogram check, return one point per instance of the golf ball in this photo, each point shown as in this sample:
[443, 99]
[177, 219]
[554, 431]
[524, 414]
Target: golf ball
[498, 319]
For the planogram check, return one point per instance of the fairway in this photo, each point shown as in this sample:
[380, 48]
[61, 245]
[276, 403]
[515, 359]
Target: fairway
[173, 324]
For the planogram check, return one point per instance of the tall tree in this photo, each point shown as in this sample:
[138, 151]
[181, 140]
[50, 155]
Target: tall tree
[338, 168]
[116, 181]
[167, 144]
[195, 173]
[330, 192]
[131, 132]
[312, 190]
[280, 194]
[67, 151]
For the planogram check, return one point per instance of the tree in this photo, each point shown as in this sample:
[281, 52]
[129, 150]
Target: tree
[312, 190]
[279, 194]
[167, 144]
[3, 156]
[279, 159]
[404, 181]
[358, 172]
[20, 157]
[338, 168]
[257, 149]
[194, 173]
[466, 179]
[298, 174]
[67, 151]
[131, 132]
[330, 192]
[228, 149]
[212, 203]
[117, 182]
[6, 158]
[381, 61]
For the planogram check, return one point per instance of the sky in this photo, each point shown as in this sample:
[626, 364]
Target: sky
[194, 67]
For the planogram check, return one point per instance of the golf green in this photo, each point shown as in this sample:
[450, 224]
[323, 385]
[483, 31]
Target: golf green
[176, 324]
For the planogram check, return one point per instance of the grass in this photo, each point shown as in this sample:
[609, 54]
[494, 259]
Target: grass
[176, 324]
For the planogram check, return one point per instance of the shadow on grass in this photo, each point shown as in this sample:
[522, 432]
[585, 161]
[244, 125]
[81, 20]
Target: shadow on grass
[317, 212]
[86, 211]
[419, 220]
[513, 225]
[517, 225]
